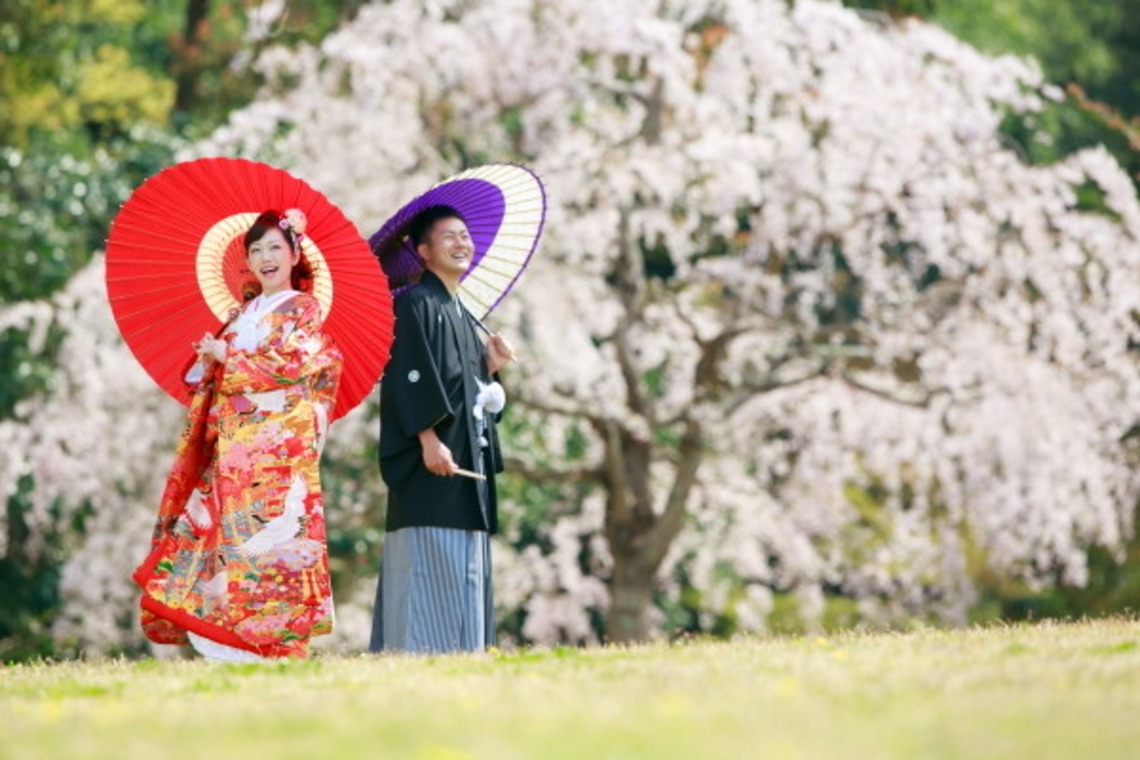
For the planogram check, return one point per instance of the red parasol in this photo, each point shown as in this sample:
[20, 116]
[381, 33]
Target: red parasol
[176, 268]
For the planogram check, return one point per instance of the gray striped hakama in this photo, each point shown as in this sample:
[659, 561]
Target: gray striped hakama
[435, 592]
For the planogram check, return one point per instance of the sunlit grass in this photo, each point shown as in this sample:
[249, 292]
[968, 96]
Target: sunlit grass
[1039, 691]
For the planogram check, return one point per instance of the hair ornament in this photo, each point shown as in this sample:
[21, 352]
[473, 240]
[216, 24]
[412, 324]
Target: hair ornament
[294, 221]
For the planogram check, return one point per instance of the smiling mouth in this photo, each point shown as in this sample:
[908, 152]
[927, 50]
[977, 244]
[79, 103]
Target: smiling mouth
[269, 271]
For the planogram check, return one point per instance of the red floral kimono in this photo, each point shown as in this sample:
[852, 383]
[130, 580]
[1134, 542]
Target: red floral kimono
[238, 554]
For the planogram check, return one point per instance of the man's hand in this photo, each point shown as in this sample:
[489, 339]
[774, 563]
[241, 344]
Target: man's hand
[437, 457]
[499, 352]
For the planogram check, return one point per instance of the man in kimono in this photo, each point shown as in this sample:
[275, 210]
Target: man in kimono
[439, 453]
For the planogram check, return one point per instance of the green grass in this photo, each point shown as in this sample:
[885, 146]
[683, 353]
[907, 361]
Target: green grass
[1034, 691]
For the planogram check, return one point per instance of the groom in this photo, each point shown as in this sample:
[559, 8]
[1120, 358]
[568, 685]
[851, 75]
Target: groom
[439, 453]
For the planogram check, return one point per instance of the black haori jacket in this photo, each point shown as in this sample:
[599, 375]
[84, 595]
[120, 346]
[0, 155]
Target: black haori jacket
[430, 381]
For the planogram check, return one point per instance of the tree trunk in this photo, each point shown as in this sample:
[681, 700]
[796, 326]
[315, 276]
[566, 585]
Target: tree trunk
[631, 601]
[639, 534]
[189, 68]
[640, 537]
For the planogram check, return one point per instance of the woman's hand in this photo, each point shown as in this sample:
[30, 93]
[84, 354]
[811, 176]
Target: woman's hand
[210, 349]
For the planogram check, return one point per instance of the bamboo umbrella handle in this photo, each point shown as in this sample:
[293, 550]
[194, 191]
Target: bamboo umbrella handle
[469, 474]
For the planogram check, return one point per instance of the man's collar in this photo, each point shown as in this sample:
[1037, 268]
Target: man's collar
[433, 280]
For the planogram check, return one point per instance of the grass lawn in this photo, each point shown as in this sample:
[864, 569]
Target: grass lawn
[1034, 691]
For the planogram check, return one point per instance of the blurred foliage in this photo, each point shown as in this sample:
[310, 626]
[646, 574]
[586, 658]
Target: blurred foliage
[30, 579]
[354, 502]
[896, 9]
[68, 66]
[97, 95]
[537, 501]
[1113, 588]
[82, 121]
[1075, 40]
[1092, 49]
[1089, 47]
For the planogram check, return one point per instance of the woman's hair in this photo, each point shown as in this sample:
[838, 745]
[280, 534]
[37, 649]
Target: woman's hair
[301, 278]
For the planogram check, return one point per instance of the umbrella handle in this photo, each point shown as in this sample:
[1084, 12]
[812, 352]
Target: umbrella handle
[487, 330]
[481, 325]
[469, 474]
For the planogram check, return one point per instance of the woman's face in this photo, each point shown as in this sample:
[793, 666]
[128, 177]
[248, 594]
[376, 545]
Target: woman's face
[271, 260]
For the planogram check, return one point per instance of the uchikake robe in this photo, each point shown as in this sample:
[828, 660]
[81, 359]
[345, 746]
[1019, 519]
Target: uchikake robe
[239, 552]
[432, 380]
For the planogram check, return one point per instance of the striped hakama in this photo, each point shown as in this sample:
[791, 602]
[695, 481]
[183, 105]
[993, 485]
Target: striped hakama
[434, 594]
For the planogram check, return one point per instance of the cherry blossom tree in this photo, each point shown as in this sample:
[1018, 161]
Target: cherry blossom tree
[803, 324]
[815, 323]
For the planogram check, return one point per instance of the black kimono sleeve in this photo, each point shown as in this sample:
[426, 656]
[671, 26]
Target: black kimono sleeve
[431, 382]
[413, 394]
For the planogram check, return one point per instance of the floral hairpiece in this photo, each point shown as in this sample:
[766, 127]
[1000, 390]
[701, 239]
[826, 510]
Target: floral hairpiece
[295, 221]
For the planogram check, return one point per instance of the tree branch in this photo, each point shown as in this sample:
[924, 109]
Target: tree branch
[552, 407]
[619, 508]
[631, 288]
[748, 391]
[526, 469]
[921, 402]
[672, 520]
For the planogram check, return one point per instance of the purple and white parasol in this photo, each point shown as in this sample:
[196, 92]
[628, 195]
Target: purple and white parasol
[505, 208]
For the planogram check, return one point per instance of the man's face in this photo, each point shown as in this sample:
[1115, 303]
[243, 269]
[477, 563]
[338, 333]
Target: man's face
[448, 249]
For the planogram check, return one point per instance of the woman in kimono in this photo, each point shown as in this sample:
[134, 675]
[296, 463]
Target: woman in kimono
[239, 564]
